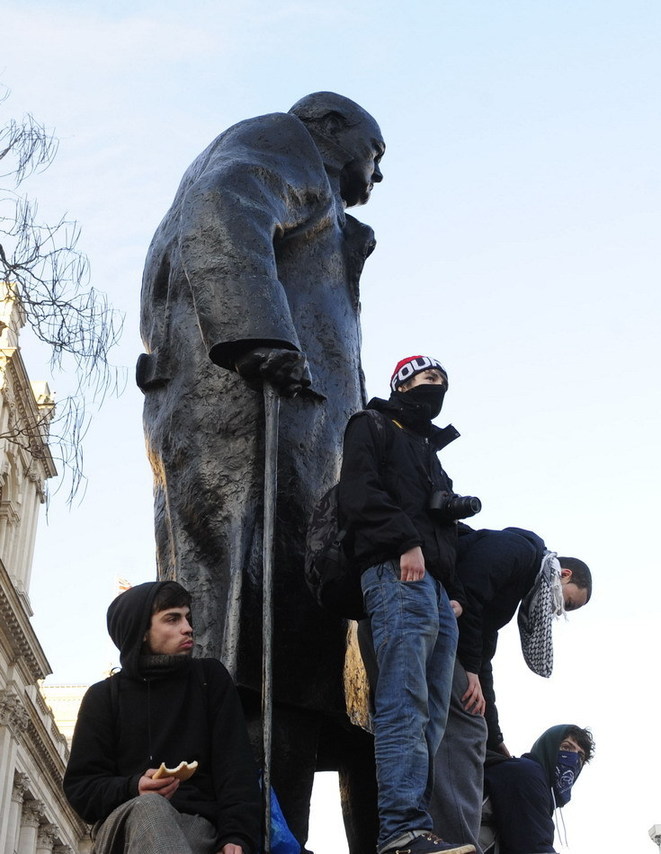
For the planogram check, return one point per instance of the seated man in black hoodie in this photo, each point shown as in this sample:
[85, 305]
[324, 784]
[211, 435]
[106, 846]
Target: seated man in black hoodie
[406, 557]
[522, 793]
[163, 707]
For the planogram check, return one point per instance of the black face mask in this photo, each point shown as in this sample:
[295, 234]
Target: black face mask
[429, 397]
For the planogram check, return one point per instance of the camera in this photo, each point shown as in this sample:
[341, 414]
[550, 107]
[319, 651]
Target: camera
[447, 507]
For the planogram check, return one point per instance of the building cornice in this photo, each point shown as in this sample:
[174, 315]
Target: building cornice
[47, 750]
[16, 633]
[42, 745]
[30, 412]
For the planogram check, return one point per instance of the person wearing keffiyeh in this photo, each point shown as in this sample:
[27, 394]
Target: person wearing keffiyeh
[499, 571]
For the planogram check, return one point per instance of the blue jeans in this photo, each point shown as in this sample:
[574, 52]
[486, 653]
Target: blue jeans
[414, 633]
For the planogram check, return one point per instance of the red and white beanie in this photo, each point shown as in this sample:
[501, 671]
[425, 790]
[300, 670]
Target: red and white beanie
[411, 366]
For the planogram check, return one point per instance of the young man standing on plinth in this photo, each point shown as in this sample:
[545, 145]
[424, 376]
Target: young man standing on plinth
[405, 552]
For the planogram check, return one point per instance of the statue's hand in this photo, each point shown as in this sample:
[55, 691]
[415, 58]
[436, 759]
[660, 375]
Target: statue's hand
[287, 370]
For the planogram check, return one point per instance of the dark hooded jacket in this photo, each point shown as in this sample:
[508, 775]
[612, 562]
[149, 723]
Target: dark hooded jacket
[386, 486]
[184, 711]
[496, 569]
[521, 795]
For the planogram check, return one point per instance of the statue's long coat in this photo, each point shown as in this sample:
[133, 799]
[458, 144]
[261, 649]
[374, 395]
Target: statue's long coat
[255, 249]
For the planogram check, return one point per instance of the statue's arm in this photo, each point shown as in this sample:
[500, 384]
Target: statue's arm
[230, 221]
[231, 218]
[228, 224]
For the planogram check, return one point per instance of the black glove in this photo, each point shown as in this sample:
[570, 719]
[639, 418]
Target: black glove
[287, 370]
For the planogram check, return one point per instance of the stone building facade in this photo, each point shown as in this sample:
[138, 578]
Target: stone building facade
[35, 818]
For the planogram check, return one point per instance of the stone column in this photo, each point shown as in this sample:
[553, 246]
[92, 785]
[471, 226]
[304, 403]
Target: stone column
[13, 721]
[9, 837]
[30, 821]
[46, 836]
[30, 518]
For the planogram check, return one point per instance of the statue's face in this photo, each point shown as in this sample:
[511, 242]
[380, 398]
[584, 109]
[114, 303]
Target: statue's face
[357, 177]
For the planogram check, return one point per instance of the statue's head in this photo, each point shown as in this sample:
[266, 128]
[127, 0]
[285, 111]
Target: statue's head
[349, 140]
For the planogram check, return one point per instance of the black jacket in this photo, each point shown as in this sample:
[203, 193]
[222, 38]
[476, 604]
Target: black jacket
[522, 805]
[521, 794]
[497, 569]
[385, 489]
[131, 722]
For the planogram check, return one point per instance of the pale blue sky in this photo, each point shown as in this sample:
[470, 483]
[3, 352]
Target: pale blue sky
[518, 241]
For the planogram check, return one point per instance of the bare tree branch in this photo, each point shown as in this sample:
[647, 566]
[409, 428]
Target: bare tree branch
[50, 275]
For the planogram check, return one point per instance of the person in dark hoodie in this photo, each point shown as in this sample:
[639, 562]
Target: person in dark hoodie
[500, 571]
[163, 707]
[406, 557]
[524, 792]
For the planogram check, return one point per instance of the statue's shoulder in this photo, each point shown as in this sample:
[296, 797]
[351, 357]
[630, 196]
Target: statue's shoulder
[272, 127]
[276, 144]
[276, 141]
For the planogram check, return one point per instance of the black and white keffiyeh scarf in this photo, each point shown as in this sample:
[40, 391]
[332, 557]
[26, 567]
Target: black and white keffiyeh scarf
[537, 611]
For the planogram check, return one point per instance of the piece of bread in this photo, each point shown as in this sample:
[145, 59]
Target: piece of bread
[182, 772]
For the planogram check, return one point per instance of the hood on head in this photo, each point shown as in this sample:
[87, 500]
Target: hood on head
[545, 749]
[128, 619]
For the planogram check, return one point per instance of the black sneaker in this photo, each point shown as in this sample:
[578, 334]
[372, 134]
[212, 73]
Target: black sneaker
[428, 843]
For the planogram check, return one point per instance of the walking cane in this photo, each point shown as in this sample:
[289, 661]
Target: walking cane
[271, 415]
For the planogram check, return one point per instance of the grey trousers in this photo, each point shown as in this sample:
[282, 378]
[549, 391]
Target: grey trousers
[456, 801]
[149, 824]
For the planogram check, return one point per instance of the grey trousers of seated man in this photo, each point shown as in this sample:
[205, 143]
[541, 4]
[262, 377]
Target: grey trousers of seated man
[149, 824]
[456, 801]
